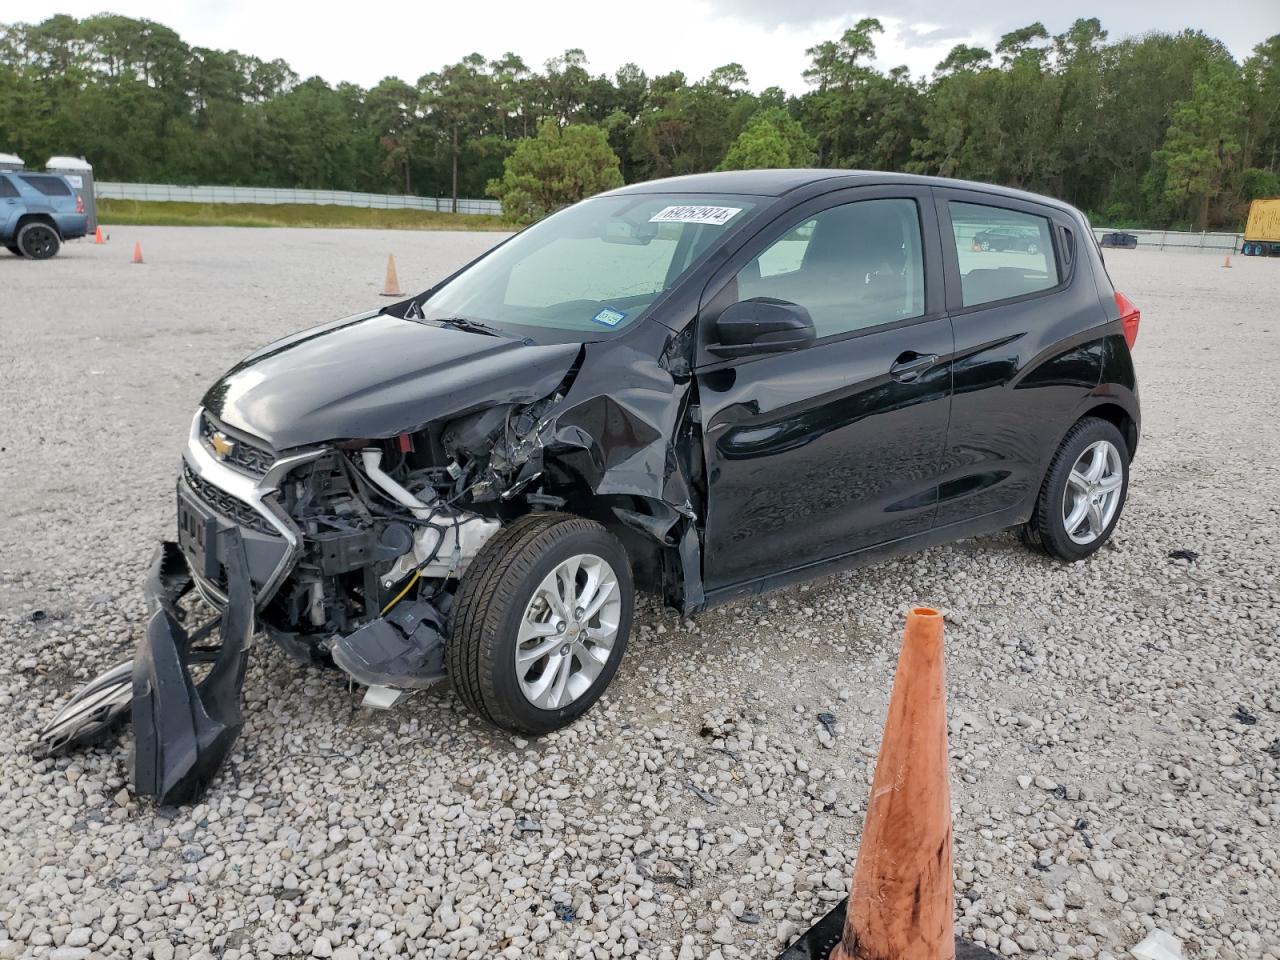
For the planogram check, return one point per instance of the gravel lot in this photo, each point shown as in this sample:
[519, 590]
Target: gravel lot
[1115, 725]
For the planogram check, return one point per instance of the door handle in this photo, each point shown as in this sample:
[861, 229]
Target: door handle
[910, 365]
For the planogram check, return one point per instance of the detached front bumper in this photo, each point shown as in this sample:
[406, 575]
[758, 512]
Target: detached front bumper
[184, 728]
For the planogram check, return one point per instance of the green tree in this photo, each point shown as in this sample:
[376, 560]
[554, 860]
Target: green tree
[558, 167]
[1204, 139]
[772, 139]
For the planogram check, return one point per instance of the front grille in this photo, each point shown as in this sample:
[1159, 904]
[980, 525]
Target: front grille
[244, 456]
[225, 505]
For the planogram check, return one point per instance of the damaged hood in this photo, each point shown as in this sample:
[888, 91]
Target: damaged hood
[376, 375]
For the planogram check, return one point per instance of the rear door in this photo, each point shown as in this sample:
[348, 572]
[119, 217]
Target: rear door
[833, 448]
[1026, 348]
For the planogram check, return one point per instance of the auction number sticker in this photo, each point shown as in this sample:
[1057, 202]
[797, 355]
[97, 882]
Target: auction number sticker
[685, 213]
[609, 317]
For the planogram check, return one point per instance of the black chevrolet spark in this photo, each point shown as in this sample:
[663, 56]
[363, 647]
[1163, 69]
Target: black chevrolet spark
[703, 387]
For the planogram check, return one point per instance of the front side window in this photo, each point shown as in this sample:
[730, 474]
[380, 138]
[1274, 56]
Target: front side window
[853, 266]
[593, 268]
[1002, 253]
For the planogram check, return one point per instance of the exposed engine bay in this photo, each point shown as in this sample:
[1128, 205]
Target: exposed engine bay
[388, 528]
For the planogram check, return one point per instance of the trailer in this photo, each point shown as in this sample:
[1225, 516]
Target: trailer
[1262, 232]
[80, 174]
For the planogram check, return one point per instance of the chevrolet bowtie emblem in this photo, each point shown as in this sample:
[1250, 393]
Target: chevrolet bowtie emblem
[222, 445]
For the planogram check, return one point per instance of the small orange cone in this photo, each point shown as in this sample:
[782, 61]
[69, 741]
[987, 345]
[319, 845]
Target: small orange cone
[391, 286]
[902, 903]
[1227, 262]
[97, 235]
[137, 251]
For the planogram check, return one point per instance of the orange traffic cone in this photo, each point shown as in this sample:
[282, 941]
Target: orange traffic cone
[1227, 262]
[901, 906]
[902, 901]
[137, 251]
[391, 286]
[97, 235]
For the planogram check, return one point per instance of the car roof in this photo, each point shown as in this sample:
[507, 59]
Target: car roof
[776, 183]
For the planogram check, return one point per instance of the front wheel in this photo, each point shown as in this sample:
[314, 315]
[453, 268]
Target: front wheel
[1083, 492]
[38, 241]
[540, 622]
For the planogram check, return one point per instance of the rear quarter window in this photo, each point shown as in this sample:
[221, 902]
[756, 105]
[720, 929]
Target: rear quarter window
[49, 186]
[7, 189]
[1002, 253]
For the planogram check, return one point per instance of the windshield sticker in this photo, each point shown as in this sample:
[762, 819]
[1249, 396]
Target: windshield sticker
[609, 317]
[695, 214]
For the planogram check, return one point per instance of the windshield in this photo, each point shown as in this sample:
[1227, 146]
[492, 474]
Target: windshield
[592, 268]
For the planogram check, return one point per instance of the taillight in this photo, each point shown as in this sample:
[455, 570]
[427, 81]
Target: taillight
[79, 204]
[1130, 317]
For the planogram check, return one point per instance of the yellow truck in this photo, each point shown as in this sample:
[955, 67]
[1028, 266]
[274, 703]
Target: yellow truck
[1262, 232]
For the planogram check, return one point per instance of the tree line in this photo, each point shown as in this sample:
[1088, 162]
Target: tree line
[1160, 130]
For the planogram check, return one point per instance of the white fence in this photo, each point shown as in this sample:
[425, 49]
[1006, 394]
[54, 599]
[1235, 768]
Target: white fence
[341, 198]
[1160, 239]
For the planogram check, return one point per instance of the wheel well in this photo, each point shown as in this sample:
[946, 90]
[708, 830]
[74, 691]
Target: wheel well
[1119, 417]
[35, 218]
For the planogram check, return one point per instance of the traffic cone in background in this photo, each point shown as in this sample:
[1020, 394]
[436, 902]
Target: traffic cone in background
[902, 904]
[391, 286]
[1227, 262]
[97, 235]
[137, 251]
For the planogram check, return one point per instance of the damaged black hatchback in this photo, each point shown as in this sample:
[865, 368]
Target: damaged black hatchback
[701, 387]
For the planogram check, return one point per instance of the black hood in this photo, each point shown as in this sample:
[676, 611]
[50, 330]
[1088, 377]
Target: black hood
[375, 376]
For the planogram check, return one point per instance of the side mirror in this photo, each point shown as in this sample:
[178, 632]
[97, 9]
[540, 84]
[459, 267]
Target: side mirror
[762, 325]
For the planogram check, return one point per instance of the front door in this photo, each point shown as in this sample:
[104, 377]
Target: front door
[827, 450]
[9, 206]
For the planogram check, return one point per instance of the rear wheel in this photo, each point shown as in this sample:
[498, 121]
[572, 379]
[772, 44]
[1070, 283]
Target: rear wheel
[986, 244]
[1033, 248]
[1083, 492]
[38, 241]
[541, 622]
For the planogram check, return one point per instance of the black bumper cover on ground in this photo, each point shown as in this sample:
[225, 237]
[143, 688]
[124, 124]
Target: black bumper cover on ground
[184, 729]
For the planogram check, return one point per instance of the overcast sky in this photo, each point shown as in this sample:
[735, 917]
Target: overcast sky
[364, 42]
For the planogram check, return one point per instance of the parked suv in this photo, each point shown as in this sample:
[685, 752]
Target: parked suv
[37, 212]
[702, 387]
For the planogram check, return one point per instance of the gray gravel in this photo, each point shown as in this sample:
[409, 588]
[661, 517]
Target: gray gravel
[1115, 725]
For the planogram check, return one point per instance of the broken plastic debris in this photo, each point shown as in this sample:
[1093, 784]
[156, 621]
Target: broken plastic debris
[1158, 945]
[383, 698]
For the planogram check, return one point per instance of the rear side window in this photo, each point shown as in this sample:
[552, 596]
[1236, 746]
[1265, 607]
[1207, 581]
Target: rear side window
[853, 266]
[49, 186]
[1002, 253]
[7, 189]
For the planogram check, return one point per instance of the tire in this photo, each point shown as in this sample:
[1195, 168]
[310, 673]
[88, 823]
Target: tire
[503, 593]
[1091, 438]
[38, 241]
[986, 244]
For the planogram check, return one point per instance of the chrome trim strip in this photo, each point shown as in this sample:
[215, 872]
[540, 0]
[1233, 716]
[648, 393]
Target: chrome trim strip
[253, 491]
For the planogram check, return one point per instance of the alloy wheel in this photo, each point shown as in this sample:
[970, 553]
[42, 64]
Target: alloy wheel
[1092, 493]
[568, 631]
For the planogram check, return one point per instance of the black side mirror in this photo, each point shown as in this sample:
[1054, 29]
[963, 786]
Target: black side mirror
[762, 325]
